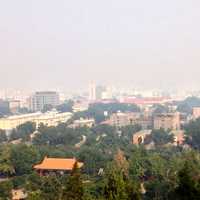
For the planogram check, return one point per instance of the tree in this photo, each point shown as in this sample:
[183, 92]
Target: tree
[5, 190]
[189, 183]
[158, 109]
[133, 190]
[66, 107]
[74, 187]
[23, 158]
[23, 131]
[6, 165]
[4, 108]
[115, 187]
[192, 133]
[159, 137]
[36, 195]
[188, 104]
[47, 107]
[3, 137]
[121, 163]
[51, 188]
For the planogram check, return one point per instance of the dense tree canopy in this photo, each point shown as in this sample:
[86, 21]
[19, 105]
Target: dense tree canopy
[188, 104]
[23, 131]
[66, 107]
[113, 168]
[193, 133]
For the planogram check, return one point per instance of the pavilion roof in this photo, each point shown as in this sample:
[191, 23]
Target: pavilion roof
[58, 164]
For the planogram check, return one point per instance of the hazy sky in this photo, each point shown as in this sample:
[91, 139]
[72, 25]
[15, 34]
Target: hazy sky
[67, 43]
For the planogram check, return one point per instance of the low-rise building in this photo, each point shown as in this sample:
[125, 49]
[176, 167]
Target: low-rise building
[124, 119]
[79, 107]
[48, 119]
[120, 119]
[167, 121]
[139, 137]
[83, 123]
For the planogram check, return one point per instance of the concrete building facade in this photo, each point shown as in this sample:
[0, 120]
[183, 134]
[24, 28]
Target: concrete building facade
[40, 99]
[48, 119]
[167, 121]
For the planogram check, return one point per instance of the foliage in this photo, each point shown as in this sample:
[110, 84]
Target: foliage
[115, 187]
[23, 131]
[6, 165]
[3, 137]
[65, 107]
[158, 109]
[193, 133]
[188, 104]
[23, 158]
[74, 187]
[47, 107]
[164, 171]
[159, 137]
[189, 181]
[5, 189]
[4, 108]
[51, 188]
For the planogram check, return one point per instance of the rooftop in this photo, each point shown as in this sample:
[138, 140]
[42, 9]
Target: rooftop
[58, 164]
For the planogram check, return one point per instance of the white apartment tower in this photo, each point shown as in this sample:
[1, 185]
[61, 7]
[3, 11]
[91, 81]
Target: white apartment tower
[40, 99]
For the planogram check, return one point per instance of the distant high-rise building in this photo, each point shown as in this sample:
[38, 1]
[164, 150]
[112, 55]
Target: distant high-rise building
[40, 99]
[100, 90]
[92, 92]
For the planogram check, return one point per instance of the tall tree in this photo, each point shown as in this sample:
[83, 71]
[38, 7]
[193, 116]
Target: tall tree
[121, 162]
[74, 187]
[6, 166]
[189, 183]
[115, 187]
[3, 137]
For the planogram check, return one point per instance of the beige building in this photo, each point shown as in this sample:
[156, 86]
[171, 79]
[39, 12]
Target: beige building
[122, 119]
[167, 121]
[49, 119]
[179, 137]
[19, 194]
[196, 112]
[79, 107]
[14, 105]
[83, 123]
[139, 137]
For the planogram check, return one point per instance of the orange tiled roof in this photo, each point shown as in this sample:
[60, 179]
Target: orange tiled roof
[57, 164]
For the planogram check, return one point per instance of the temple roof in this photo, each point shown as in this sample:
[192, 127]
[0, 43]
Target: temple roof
[58, 164]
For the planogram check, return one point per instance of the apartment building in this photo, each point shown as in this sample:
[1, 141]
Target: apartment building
[40, 99]
[48, 119]
[167, 121]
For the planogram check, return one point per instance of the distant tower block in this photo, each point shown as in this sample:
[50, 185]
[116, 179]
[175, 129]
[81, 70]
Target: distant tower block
[92, 91]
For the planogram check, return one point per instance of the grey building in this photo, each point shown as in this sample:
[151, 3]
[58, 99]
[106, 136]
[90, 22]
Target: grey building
[41, 99]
